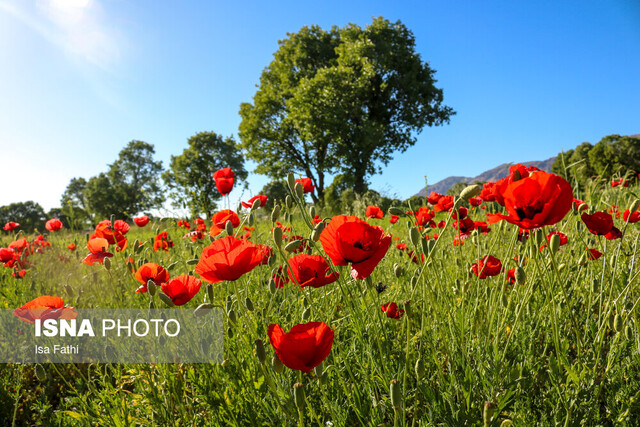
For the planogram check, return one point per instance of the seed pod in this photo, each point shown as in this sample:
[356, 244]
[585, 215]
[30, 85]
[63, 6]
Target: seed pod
[317, 231]
[165, 299]
[151, 287]
[277, 236]
[470, 191]
[554, 243]
[248, 303]
[521, 276]
[396, 394]
[414, 236]
[306, 313]
[312, 211]
[107, 264]
[262, 356]
[293, 245]
[398, 270]
[298, 395]
[617, 323]
[487, 413]
[202, 309]
[276, 363]
[420, 369]
[210, 292]
[275, 213]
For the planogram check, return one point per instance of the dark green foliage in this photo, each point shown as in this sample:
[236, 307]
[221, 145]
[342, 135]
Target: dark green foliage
[340, 101]
[190, 175]
[29, 214]
[73, 203]
[276, 191]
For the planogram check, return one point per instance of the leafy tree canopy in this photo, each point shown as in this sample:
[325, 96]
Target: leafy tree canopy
[340, 101]
[275, 191]
[29, 214]
[189, 176]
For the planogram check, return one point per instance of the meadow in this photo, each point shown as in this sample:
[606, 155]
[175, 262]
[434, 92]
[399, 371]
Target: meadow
[543, 333]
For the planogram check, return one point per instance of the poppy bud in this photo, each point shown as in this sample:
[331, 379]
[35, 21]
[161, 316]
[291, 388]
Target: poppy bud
[107, 264]
[252, 219]
[554, 243]
[520, 275]
[151, 287]
[210, 292]
[408, 309]
[634, 206]
[293, 245]
[424, 244]
[272, 285]
[69, 290]
[617, 323]
[272, 260]
[165, 299]
[420, 369]
[414, 282]
[202, 309]
[230, 332]
[277, 236]
[262, 356]
[277, 364]
[193, 261]
[506, 423]
[540, 240]
[256, 204]
[288, 201]
[396, 211]
[228, 227]
[41, 374]
[396, 394]
[298, 395]
[628, 332]
[398, 270]
[291, 181]
[306, 313]
[414, 236]
[582, 260]
[470, 191]
[323, 378]
[312, 211]
[248, 303]
[299, 190]
[487, 413]
[317, 231]
[228, 303]
[275, 213]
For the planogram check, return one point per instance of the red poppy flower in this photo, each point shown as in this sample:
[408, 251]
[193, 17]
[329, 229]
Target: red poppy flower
[193, 235]
[433, 197]
[105, 230]
[310, 270]
[71, 247]
[304, 347]
[54, 224]
[279, 278]
[229, 258]
[465, 226]
[19, 274]
[391, 310]
[141, 221]
[10, 226]
[424, 215]
[511, 276]
[534, 201]
[121, 226]
[151, 271]
[631, 217]
[307, 184]
[181, 289]
[220, 219]
[481, 226]
[593, 254]
[6, 255]
[348, 239]
[402, 246]
[394, 219]
[162, 241]
[44, 307]
[487, 267]
[249, 203]
[444, 204]
[374, 212]
[475, 201]
[97, 251]
[224, 180]
[601, 224]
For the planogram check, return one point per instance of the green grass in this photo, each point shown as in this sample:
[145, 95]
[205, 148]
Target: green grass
[542, 353]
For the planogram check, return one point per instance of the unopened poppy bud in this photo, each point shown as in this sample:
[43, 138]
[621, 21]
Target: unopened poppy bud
[396, 394]
[248, 303]
[634, 206]
[312, 211]
[277, 236]
[107, 264]
[272, 285]
[224, 363]
[408, 309]
[202, 309]
[277, 364]
[470, 191]
[165, 299]
[540, 240]
[520, 275]
[420, 369]
[228, 226]
[41, 374]
[317, 231]
[210, 292]
[230, 332]
[232, 316]
[414, 282]
[272, 260]
[151, 287]
[323, 378]
[173, 264]
[262, 356]
[193, 261]
[617, 323]
[582, 260]
[288, 201]
[506, 423]
[256, 204]
[293, 246]
[299, 190]
[414, 236]
[291, 181]
[628, 332]
[398, 270]
[424, 244]
[252, 219]
[487, 413]
[275, 213]
[228, 303]
[298, 395]
[396, 211]
[69, 290]
[554, 243]
[306, 313]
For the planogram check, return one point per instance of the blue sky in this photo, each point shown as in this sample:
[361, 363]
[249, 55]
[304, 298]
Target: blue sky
[81, 78]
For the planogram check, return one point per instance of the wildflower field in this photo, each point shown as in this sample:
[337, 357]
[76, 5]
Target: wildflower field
[513, 303]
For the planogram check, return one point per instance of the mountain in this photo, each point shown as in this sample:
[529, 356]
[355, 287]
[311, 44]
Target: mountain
[490, 175]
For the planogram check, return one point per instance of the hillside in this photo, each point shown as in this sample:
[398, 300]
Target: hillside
[490, 175]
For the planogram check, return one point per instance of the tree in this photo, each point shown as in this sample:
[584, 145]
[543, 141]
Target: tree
[189, 176]
[74, 207]
[340, 101]
[275, 191]
[130, 186]
[29, 214]
[616, 155]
